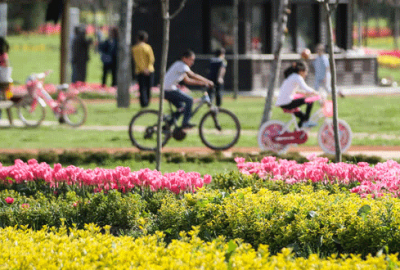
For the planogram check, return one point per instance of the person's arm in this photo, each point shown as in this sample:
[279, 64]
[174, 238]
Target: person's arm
[200, 79]
[191, 80]
[305, 87]
[221, 75]
[151, 60]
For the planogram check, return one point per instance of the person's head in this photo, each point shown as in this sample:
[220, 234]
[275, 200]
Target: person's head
[188, 57]
[220, 52]
[142, 36]
[4, 47]
[301, 68]
[320, 49]
[298, 67]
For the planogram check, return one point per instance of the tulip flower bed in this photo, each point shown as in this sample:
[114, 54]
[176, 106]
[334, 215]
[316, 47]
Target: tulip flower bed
[99, 179]
[373, 181]
[52, 248]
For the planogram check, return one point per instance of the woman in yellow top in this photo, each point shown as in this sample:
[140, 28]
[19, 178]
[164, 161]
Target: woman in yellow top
[143, 57]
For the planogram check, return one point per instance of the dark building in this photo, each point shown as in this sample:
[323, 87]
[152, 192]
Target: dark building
[205, 25]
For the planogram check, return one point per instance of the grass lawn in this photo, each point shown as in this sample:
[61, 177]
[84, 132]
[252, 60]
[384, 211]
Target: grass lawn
[377, 115]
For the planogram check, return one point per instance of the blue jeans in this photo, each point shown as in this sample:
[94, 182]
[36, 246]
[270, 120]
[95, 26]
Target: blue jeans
[181, 100]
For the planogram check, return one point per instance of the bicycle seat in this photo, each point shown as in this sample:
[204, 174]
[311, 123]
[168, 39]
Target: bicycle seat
[291, 110]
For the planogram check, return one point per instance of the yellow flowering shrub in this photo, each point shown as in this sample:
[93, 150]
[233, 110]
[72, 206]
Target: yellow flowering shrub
[52, 248]
[307, 221]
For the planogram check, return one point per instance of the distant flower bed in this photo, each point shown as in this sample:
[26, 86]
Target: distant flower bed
[373, 32]
[89, 88]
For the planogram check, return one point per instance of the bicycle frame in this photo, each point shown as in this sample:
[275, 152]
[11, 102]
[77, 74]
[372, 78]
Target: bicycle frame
[36, 89]
[203, 100]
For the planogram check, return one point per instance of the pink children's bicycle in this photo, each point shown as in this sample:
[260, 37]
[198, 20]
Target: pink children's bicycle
[278, 136]
[67, 107]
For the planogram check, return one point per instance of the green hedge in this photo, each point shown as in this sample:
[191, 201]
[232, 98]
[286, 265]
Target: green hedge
[69, 157]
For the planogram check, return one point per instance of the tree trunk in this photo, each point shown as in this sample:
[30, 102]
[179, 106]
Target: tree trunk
[235, 48]
[64, 42]
[124, 56]
[163, 68]
[396, 27]
[332, 66]
[276, 65]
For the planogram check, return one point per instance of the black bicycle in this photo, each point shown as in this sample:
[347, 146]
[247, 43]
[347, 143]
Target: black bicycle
[219, 128]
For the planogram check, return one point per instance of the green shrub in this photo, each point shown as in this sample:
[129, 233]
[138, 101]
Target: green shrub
[71, 157]
[48, 156]
[98, 157]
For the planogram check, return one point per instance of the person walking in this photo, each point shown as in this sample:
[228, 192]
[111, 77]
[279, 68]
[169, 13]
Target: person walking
[80, 54]
[180, 71]
[108, 50]
[216, 75]
[143, 58]
[322, 71]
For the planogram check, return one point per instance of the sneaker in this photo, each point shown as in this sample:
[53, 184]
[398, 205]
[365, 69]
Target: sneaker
[188, 125]
[309, 124]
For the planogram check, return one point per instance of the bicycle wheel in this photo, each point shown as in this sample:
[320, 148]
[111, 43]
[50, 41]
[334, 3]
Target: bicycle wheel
[143, 130]
[265, 134]
[219, 129]
[74, 111]
[30, 111]
[326, 137]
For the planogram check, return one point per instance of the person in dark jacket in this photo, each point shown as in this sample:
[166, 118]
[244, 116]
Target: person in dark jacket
[108, 50]
[216, 75]
[80, 54]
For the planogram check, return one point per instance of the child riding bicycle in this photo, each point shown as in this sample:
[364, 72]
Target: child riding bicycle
[294, 83]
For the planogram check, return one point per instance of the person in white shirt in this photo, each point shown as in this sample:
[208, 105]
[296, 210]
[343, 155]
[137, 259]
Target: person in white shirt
[294, 83]
[180, 71]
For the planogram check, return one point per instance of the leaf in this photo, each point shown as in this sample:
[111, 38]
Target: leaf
[364, 210]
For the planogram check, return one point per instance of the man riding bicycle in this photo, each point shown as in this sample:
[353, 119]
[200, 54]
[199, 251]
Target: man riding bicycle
[180, 71]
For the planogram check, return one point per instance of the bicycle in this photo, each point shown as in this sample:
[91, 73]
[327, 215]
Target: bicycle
[219, 128]
[278, 136]
[67, 107]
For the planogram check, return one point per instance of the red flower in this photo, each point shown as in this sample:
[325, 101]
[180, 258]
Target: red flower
[9, 200]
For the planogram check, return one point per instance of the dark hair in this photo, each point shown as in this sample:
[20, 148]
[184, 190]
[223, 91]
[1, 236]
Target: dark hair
[4, 47]
[219, 52]
[296, 67]
[142, 36]
[187, 54]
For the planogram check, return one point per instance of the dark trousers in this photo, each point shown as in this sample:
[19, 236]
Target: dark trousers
[107, 69]
[297, 103]
[145, 84]
[218, 88]
[78, 72]
[179, 100]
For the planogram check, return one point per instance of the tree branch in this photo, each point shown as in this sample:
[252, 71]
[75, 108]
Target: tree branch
[183, 3]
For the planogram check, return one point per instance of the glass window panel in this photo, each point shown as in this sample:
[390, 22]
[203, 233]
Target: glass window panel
[222, 28]
[256, 29]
